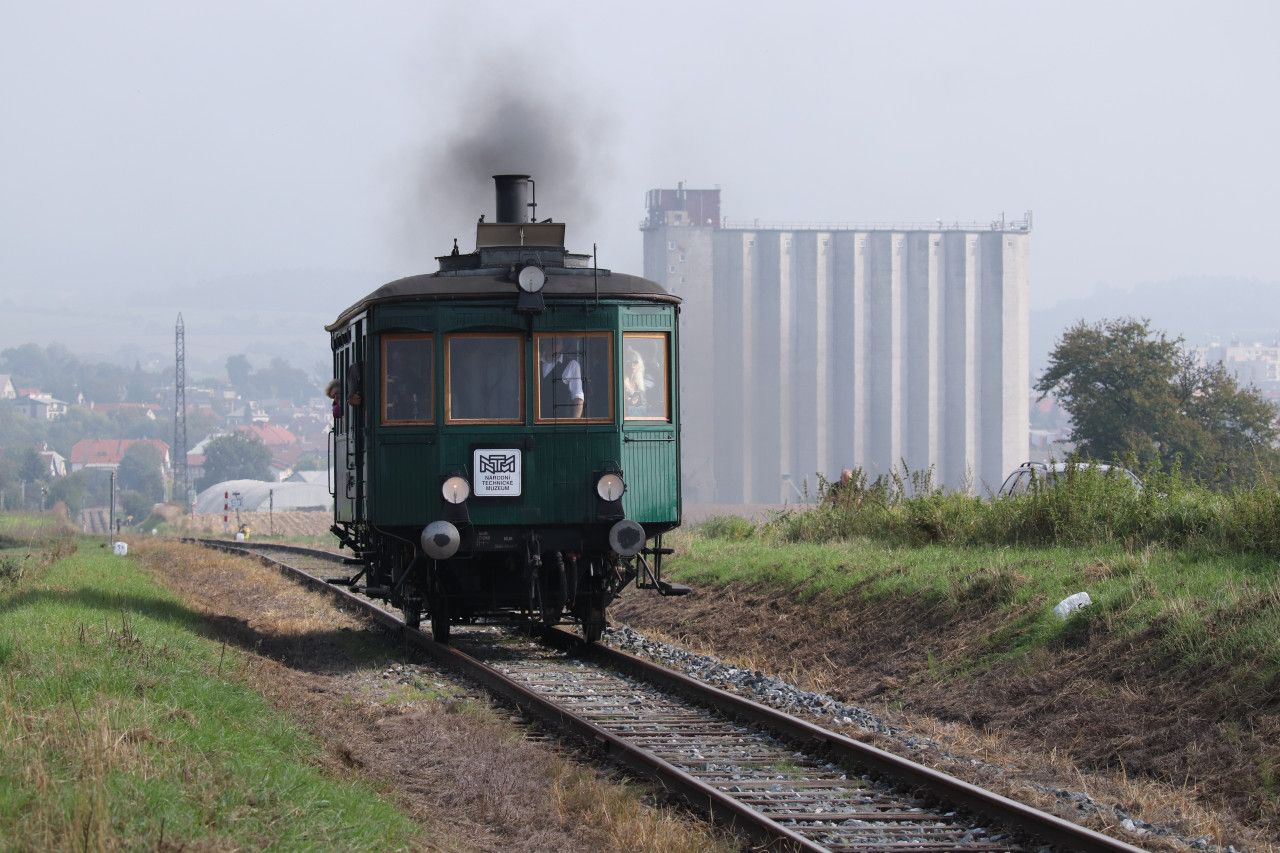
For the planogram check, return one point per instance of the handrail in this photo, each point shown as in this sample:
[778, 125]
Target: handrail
[330, 480]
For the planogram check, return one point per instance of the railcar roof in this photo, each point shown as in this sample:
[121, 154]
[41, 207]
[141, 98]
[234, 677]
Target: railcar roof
[562, 283]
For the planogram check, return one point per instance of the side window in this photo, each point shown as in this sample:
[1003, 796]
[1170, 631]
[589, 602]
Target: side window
[644, 376]
[575, 377]
[408, 379]
[1022, 484]
[484, 378]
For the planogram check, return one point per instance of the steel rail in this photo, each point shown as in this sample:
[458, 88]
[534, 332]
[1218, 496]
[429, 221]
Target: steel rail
[719, 805]
[848, 751]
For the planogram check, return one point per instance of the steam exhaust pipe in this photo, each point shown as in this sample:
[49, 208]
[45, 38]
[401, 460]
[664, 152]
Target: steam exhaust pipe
[512, 192]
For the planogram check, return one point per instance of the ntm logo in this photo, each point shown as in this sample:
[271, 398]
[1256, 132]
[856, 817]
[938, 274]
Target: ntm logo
[497, 463]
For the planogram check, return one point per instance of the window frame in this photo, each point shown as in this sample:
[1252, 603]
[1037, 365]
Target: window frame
[537, 378]
[665, 417]
[449, 337]
[382, 409]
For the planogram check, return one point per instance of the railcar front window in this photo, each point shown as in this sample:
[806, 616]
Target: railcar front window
[408, 371]
[575, 377]
[644, 377]
[484, 378]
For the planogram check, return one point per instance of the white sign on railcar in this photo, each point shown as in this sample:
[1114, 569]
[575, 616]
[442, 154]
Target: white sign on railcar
[497, 472]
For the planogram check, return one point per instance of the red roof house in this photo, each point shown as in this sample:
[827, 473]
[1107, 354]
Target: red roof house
[274, 437]
[106, 453]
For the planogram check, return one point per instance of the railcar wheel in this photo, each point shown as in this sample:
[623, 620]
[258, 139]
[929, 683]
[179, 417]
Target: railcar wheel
[439, 605]
[591, 614]
[413, 614]
[439, 622]
[593, 625]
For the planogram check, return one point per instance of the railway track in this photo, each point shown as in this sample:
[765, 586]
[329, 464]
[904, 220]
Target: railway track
[788, 783]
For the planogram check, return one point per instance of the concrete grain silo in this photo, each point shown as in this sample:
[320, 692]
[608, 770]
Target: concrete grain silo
[811, 348]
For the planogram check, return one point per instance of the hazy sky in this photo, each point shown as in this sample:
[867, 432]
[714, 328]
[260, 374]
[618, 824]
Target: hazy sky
[163, 146]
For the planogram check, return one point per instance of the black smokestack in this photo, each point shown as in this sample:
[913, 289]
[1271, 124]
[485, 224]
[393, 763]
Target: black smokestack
[512, 200]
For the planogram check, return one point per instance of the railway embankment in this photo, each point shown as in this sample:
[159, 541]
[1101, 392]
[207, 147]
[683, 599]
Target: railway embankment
[1159, 698]
[127, 724]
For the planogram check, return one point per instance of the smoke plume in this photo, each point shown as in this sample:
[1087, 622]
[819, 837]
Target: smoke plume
[519, 125]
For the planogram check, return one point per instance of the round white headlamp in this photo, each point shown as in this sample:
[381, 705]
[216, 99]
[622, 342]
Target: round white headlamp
[456, 489]
[610, 487]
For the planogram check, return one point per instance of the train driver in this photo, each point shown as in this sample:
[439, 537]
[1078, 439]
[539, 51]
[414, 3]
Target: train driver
[561, 373]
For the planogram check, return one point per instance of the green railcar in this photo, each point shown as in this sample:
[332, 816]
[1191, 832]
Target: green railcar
[506, 436]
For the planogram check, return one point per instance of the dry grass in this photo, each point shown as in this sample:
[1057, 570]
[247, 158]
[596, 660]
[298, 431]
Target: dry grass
[285, 524]
[93, 745]
[449, 759]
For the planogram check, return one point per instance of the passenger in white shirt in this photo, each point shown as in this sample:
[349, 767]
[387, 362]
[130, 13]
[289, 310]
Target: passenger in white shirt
[560, 374]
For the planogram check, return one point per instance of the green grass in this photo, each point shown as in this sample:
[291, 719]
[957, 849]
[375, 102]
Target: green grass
[1210, 610]
[1086, 507]
[121, 724]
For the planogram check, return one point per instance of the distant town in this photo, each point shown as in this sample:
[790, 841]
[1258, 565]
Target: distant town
[70, 431]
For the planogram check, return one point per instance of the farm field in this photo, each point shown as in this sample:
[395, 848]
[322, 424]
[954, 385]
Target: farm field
[311, 526]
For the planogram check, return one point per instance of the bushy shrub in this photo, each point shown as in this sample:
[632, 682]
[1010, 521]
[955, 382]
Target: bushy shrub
[1085, 506]
[729, 527]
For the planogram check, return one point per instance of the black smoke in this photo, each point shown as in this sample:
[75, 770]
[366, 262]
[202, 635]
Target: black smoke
[519, 126]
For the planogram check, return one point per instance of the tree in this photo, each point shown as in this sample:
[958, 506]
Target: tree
[17, 431]
[53, 369]
[239, 456]
[136, 506]
[238, 371]
[311, 460]
[72, 490]
[1135, 392]
[140, 471]
[31, 468]
[76, 424]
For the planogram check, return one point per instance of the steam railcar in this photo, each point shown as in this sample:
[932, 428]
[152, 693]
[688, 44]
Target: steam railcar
[506, 438]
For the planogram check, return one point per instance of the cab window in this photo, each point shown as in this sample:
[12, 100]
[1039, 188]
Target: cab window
[408, 371]
[644, 377]
[575, 377]
[484, 374]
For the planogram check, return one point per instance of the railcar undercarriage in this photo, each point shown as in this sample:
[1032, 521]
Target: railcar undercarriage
[534, 583]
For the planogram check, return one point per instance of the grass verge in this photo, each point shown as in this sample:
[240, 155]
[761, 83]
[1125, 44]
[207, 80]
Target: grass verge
[124, 727]
[1209, 610]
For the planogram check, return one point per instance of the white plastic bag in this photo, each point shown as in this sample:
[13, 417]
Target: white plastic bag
[1071, 604]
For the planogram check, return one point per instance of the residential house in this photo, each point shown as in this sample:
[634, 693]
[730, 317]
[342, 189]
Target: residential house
[147, 410]
[55, 462]
[195, 457]
[41, 407]
[106, 453]
[274, 437]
